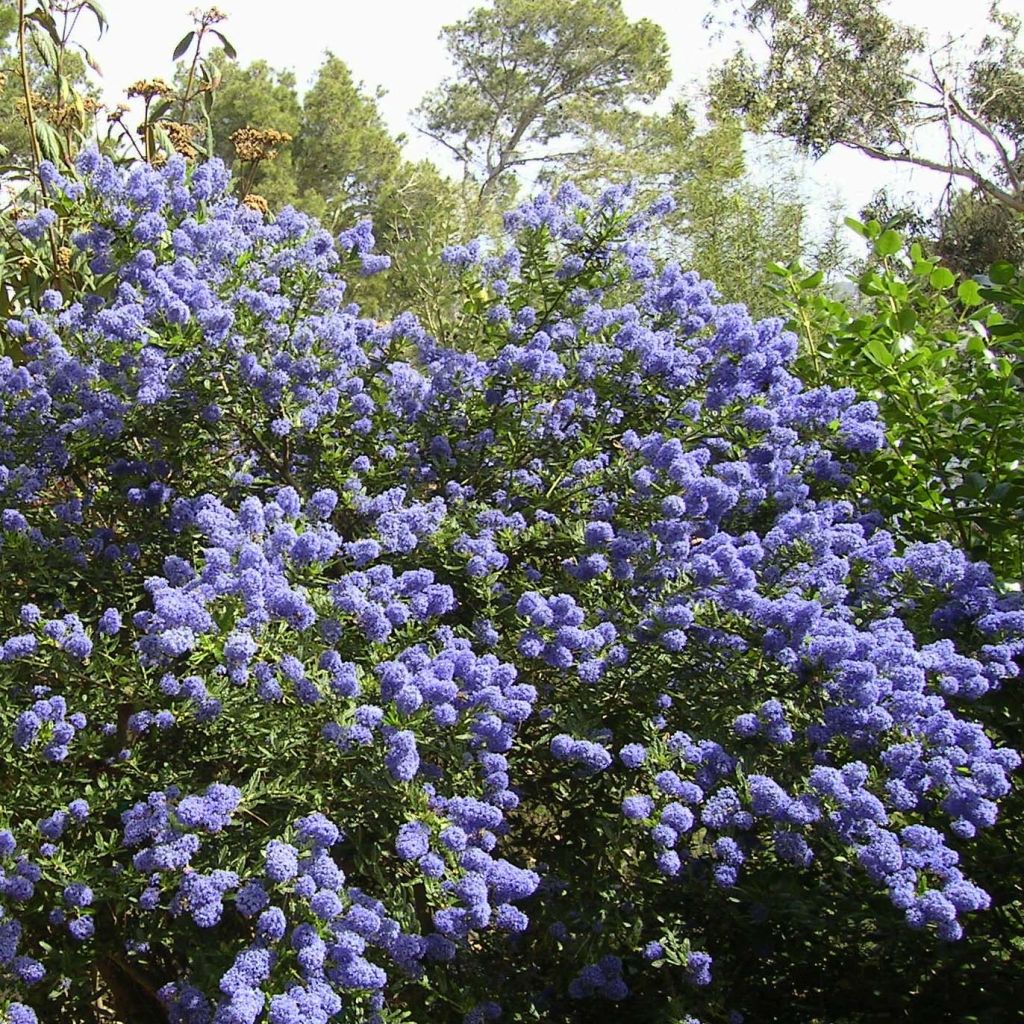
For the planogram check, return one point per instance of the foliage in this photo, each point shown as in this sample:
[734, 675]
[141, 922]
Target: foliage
[344, 152]
[730, 226]
[340, 164]
[973, 232]
[350, 677]
[532, 75]
[724, 225]
[968, 232]
[941, 357]
[843, 73]
[256, 95]
[52, 76]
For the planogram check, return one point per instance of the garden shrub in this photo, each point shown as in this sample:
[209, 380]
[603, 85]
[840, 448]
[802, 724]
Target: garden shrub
[346, 677]
[941, 356]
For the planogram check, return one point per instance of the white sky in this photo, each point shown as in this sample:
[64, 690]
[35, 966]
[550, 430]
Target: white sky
[394, 44]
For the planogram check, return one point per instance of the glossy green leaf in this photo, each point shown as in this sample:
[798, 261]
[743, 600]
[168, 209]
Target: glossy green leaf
[969, 293]
[856, 225]
[1002, 272]
[889, 243]
[906, 318]
[878, 352]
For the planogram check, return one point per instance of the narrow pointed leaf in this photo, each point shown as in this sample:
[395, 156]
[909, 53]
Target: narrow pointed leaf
[183, 45]
[229, 50]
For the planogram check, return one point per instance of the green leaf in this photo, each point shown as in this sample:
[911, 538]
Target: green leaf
[1005, 331]
[977, 347]
[889, 243]
[1002, 272]
[47, 51]
[43, 17]
[159, 111]
[941, 278]
[906, 318]
[856, 225]
[183, 45]
[101, 18]
[878, 352]
[969, 293]
[49, 141]
[163, 140]
[813, 280]
[229, 50]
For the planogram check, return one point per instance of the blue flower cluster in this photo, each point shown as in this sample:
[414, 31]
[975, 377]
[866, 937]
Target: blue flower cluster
[384, 664]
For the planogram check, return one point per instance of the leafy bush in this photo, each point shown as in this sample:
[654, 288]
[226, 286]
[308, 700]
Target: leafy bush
[350, 677]
[941, 357]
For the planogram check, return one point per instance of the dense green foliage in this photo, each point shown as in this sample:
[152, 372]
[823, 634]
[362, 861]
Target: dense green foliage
[941, 357]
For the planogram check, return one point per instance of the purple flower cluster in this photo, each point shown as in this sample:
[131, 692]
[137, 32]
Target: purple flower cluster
[48, 718]
[456, 612]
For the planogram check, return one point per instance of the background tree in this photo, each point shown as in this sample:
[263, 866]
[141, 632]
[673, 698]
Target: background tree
[256, 95]
[731, 224]
[344, 153]
[348, 166]
[530, 76]
[843, 73]
[968, 232]
[64, 101]
[973, 232]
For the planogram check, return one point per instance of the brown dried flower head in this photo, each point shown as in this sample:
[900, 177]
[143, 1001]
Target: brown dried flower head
[258, 143]
[61, 115]
[181, 136]
[256, 202]
[147, 88]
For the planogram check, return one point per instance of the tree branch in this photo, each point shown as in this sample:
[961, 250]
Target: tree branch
[983, 129]
[1014, 202]
[462, 155]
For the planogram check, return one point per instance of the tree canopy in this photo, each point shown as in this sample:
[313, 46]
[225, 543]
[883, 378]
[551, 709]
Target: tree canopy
[844, 73]
[530, 74]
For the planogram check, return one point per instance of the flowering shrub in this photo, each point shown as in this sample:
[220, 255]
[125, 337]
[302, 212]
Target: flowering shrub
[347, 677]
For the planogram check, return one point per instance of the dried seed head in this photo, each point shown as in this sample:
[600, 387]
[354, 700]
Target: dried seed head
[150, 87]
[258, 143]
[211, 16]
[256, 202]
[181, 136]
